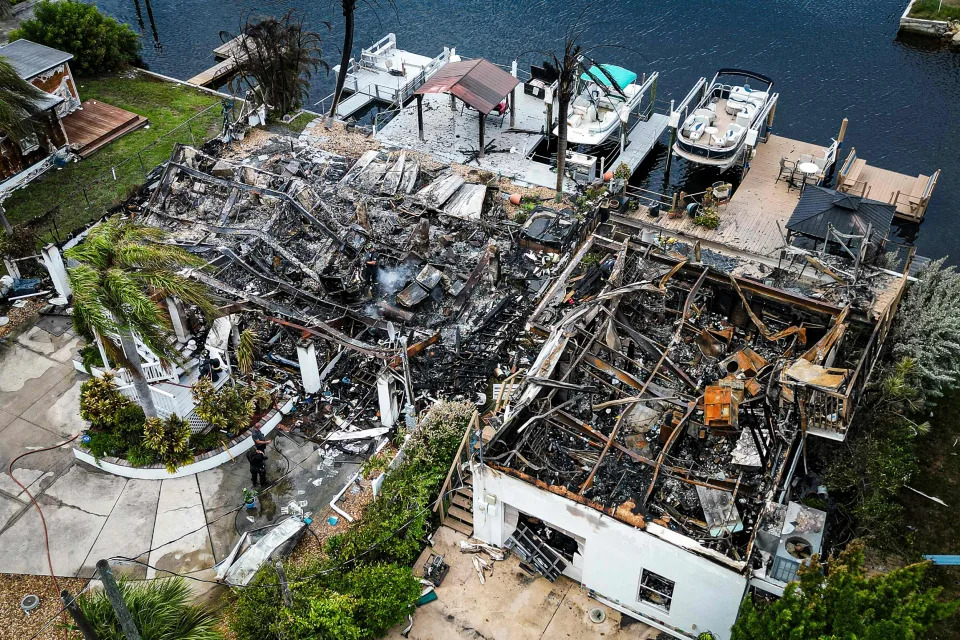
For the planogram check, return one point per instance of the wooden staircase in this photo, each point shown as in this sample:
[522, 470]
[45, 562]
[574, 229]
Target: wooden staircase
[456, 504]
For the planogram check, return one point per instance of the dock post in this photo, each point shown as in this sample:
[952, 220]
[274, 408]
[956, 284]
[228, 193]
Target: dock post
[483, 124]
[513, 97]
[673, 139]
[420, 115]
[829, 182]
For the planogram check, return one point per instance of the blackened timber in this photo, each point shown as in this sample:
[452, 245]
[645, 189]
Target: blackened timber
[666, 447]
[647, 345]
[461, 300]
[273, 193]
[325, 331]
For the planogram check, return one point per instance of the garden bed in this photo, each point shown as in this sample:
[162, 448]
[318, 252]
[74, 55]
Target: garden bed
[202, 462]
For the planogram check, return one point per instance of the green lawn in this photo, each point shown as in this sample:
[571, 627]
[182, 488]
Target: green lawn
[932, 527]
[165, 104]
[928, 10]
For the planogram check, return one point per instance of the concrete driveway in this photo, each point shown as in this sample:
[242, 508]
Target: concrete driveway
[183, 525]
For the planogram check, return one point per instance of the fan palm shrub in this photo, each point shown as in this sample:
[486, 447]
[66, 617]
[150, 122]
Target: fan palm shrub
[124, 271]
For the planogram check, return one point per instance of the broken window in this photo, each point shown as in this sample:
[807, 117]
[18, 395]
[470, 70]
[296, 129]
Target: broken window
[29, 143]
[655, 590]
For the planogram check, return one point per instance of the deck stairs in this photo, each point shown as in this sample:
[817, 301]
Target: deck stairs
[456, 504]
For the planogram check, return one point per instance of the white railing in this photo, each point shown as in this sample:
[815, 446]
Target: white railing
[152, 371]
[386, 43]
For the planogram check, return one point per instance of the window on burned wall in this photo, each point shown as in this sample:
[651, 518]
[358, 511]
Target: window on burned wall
[655, 590]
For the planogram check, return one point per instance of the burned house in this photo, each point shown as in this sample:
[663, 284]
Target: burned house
[651, 401]
[374, 285]
[649, 454]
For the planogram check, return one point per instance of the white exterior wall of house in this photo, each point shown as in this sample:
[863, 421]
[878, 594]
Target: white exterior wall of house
[706, 595]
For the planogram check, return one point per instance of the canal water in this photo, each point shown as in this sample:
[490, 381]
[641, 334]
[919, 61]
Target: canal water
[829, 61]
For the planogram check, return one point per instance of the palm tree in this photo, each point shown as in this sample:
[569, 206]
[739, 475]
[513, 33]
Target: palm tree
[349, 10]
[282, 56]
[124, 272]
[567, 65]
[161, 610]
[17, 98]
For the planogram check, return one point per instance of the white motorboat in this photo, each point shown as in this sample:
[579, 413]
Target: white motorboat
[606, 96]
[716, 131]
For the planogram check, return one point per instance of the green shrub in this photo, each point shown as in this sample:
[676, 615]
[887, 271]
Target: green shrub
[98, 42]
[161, 610]
[105, 444]
[139, 456]
[100, 401]
[229, 408]
[378, 590]
[169, 440]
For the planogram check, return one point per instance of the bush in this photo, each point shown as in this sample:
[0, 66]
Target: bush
[229, 408]
[100, 401]
[161, 610]
[379, 589]
[98, 43]
[169, 441]
[928, 329]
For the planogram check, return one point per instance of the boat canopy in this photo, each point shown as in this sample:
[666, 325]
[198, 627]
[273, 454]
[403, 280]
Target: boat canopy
[621, 76]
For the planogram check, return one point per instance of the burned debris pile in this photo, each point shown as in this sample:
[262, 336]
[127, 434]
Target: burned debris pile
[366, 260]
[667, 392]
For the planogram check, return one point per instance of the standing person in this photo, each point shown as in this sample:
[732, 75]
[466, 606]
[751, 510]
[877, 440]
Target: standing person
[259, 440]
[258, 466]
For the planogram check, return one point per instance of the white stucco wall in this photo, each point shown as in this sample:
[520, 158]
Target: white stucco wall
[706, 595]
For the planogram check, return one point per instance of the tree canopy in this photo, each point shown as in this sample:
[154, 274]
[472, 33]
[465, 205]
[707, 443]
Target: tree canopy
[98, 42]
[846, 604]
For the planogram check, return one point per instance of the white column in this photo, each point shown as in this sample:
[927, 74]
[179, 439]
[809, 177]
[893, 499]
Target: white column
[58, 273]
[309, 370]
[11, 266]
[386, 394]
[178, 318]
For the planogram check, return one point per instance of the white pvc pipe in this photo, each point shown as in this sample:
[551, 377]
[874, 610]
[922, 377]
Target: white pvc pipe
[333, 503]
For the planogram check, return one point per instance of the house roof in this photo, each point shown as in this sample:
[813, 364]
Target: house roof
[481, 84]
[819, 207]
[31, 59]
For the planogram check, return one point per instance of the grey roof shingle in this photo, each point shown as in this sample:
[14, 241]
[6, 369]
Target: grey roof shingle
[31, 59]
[819, 207]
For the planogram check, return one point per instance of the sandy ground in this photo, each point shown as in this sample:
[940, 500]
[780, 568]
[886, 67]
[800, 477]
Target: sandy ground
[16, 625]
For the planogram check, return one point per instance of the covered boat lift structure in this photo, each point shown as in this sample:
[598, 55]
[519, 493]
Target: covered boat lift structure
[480, 84]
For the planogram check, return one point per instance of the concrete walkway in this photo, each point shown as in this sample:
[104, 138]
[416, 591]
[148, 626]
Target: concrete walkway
[183, 525]
[511, 604]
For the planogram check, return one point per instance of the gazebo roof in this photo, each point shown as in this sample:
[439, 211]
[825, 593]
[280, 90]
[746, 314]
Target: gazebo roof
[480, 84]
[820, 207]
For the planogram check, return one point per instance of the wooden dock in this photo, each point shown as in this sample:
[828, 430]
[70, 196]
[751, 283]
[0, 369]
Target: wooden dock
[229, 54]
[911, 194]
[96, 124]
[642, 139]
[753, 220]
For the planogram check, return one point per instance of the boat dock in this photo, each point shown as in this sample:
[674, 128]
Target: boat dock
[384, 74]
[753, 219]
[451, 132]
[911, 194]
[228, 55]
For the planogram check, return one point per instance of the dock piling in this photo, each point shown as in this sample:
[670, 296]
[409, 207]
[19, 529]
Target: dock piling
[673, 139]
[513, 97]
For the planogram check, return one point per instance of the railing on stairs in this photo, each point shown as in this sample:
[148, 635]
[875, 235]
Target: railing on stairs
[459, 474]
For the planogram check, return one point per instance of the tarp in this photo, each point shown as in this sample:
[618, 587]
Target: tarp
[621, 76]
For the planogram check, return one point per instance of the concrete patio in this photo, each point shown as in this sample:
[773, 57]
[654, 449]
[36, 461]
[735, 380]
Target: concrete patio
[511, 604]
[183, 525]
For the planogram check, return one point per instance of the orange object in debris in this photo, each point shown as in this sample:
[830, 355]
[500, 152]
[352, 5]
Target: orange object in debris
[516, 199]
[608, 176]
[720, 407]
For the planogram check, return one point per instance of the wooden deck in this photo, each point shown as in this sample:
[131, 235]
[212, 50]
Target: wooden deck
[749, 221]
[911, 194]
[96, 124]
[228, 55]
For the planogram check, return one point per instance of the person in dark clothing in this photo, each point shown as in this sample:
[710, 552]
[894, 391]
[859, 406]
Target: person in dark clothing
[259, 440]
[258, 466]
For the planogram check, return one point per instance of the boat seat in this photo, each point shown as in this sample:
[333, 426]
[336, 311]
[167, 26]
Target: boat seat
[695, 131]
[709, 114]
[590, 115]
[733, 135]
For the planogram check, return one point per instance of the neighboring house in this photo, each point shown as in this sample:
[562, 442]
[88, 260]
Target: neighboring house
[48, 70]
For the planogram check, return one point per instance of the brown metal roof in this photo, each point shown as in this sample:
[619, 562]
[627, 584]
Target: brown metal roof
[481, 84]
